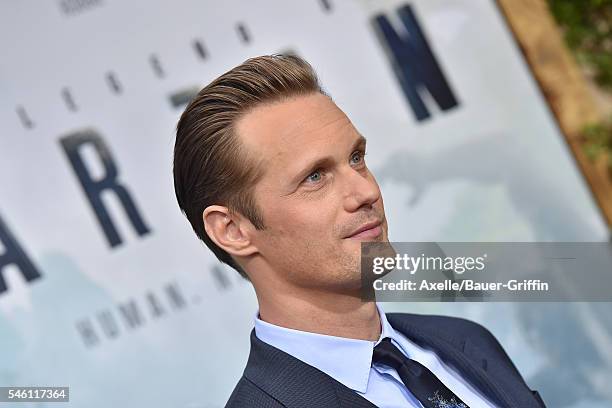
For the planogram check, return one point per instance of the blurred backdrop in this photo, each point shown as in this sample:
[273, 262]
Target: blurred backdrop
[105, 288]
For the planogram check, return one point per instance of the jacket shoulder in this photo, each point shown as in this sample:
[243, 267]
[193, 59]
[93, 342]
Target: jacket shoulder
[247, 395]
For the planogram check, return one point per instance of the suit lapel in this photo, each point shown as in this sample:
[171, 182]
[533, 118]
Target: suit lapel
[458, 352]
[349, 398]
[294, 383]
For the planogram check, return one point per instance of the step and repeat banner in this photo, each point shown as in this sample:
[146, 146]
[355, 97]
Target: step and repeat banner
[105, 289]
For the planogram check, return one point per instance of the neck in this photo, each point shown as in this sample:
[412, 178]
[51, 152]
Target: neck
[333, 314]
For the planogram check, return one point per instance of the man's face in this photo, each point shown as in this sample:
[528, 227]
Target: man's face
[315, 194]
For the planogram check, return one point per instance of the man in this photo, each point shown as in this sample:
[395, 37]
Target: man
[271, 175]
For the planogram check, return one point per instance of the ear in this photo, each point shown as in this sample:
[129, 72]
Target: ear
[229, 231]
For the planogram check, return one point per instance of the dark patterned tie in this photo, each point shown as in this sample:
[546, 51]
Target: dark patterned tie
[421, 382]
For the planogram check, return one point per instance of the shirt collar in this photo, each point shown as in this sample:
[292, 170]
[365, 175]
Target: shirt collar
[328, 353]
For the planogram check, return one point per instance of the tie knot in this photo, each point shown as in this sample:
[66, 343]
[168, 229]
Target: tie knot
[387, 354]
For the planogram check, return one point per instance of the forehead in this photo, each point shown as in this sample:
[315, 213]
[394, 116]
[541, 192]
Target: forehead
[282, 133]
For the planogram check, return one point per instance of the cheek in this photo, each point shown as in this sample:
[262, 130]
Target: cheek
[307, 220]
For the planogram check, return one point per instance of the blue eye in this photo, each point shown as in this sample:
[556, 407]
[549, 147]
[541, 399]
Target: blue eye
[314, 176]
[358, 156]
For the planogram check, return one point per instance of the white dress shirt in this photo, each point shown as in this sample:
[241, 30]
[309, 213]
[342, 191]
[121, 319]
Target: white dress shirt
[349, 361]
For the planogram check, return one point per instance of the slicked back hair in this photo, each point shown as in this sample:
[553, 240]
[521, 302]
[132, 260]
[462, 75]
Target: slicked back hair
[211, 166]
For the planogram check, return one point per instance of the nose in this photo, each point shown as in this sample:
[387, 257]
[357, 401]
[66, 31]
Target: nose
[361, 190]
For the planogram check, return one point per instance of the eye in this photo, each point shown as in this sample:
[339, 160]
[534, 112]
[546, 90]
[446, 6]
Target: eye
[357, 157]
[315, 176]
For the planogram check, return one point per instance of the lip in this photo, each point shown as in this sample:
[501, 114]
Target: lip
[369, 230]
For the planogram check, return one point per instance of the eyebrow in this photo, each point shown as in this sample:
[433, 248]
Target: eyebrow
[324, 161]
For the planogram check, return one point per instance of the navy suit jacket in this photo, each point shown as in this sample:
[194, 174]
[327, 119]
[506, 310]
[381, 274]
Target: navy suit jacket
[275, 379]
